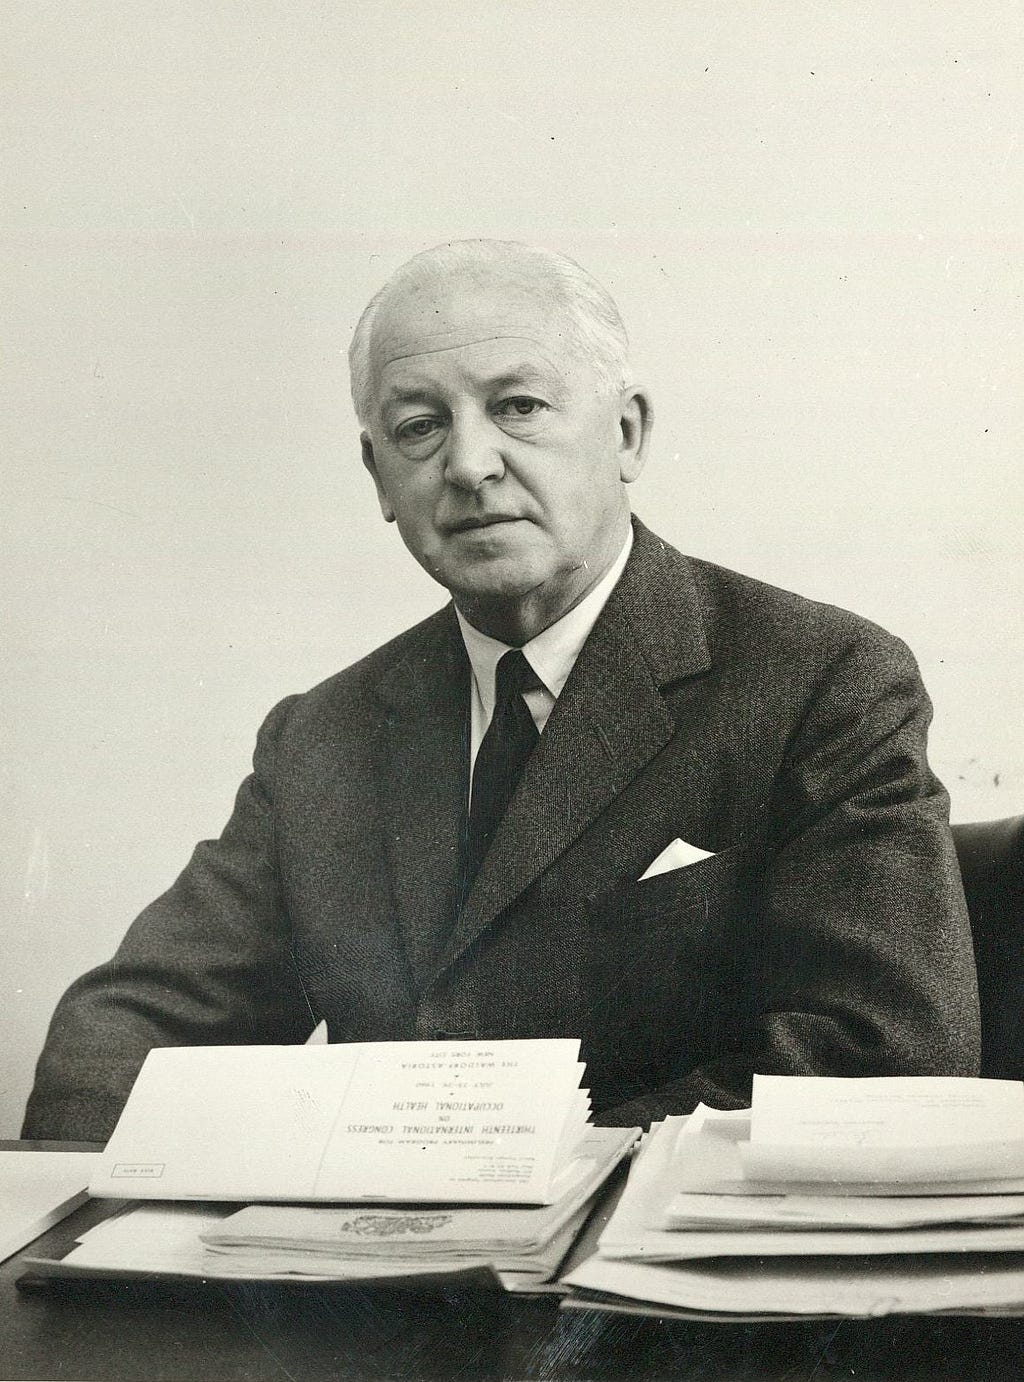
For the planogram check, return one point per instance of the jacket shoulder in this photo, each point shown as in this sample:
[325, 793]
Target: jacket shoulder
[350, 694]
[743, 618]
[752, 614]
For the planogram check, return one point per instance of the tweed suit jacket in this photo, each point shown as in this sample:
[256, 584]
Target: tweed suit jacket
[827, 934]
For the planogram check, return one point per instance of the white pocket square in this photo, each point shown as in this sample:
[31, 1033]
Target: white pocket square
[677, 855]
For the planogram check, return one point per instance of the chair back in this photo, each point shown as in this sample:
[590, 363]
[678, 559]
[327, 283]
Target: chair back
[991, 856]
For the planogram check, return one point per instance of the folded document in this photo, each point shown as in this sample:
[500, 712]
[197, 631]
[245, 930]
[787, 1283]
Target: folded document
[393, 1122]
[902, 1128]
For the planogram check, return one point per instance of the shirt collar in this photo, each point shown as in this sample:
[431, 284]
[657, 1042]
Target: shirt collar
[553, 653]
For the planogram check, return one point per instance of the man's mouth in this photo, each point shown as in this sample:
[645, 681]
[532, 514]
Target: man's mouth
[484, 520]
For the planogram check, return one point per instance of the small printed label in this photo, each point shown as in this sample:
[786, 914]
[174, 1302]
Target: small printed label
[137, 1170]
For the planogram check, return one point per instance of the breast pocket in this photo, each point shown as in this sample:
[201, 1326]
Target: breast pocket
[661, 956]
[703, 884]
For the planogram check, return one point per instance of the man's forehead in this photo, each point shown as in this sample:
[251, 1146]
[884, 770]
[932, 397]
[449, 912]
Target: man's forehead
[420, 317]
[520, 340]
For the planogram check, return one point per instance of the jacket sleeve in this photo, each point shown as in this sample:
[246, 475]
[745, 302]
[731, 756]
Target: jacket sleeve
[862, 960]
[208, 963]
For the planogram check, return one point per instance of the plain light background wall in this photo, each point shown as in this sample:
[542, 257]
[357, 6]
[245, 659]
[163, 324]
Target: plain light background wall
[810, 214]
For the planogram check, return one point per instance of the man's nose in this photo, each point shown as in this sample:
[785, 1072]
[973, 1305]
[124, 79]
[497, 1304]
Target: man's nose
[473, 452]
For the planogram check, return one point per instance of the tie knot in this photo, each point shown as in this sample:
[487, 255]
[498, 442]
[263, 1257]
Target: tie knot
[513, 676]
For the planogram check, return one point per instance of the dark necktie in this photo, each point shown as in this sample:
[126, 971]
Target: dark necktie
[504, 749]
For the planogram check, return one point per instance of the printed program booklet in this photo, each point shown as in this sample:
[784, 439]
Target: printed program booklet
[447, 1122]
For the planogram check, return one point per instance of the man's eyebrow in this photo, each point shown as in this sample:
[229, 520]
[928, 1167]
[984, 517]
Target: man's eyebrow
[524, 375]
[412, 393]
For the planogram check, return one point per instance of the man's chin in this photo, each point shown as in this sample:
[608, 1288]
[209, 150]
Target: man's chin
[492, 590]
[491, 584]
[508, 571]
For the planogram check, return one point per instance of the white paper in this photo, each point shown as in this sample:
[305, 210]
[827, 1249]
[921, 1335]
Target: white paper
[449, 1122]
[633, 1228]
[685, 1244]
[37, 1190]
[707, 1160]
[797, 1212]
[929, 1162]
[815, 1286]
[903, 1129]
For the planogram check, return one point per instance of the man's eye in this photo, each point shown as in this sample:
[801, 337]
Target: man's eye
[417, 429]
[520, 407]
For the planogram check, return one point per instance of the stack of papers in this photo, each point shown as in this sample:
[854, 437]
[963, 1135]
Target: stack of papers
[428, 1233]
[525, 1246]
[393, 1122]
[163, 1241]
[375, 1161]
[518, 1247]
[844, 1197]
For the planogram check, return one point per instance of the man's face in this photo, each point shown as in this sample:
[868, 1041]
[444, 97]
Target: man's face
[498, 450]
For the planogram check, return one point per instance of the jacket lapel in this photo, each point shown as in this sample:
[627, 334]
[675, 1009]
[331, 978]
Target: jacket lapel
[424, 785]
[610, 720]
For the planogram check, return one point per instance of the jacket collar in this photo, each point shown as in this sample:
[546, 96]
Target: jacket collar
[609, 721]
[424, 779]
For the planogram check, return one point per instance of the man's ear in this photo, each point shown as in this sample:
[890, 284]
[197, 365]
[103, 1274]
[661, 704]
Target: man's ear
[370, 461]
[636, 418]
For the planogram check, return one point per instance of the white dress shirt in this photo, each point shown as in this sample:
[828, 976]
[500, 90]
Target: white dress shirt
[552, 655]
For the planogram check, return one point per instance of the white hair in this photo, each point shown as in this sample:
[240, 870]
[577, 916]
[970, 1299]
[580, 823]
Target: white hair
[592, 322]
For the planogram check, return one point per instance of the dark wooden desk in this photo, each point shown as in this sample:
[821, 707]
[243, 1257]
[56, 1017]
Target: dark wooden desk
[95, 1332]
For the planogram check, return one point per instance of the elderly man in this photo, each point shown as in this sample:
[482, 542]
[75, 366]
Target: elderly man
[608, 792]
